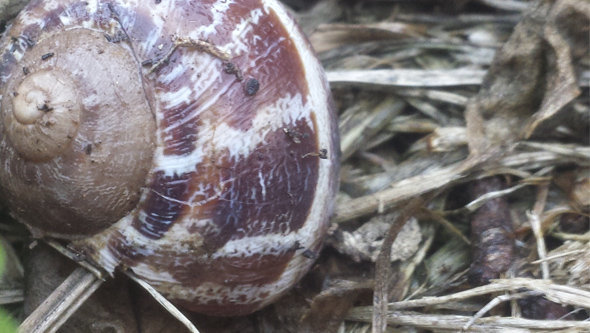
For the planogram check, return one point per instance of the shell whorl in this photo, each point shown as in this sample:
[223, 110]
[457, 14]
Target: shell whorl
[243, 169]
[45, 115]
[63, 140]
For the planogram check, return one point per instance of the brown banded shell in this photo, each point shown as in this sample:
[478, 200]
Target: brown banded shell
[193, 142]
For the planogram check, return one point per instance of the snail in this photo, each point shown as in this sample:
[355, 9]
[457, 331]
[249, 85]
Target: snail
[194, 143]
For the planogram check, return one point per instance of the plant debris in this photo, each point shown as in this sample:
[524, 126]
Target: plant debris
[492, 234]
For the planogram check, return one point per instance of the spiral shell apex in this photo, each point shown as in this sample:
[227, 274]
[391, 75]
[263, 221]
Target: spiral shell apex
[193, 142]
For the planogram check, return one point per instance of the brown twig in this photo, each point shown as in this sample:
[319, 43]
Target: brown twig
[383, 266]
[492, 233]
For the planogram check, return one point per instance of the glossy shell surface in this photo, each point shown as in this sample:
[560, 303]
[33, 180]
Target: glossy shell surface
[244, 166]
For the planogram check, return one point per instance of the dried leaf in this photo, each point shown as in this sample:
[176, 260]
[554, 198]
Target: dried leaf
[531, 76]
[561, 83]
[365, 242]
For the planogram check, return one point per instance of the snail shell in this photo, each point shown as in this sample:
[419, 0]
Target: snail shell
[194, 143]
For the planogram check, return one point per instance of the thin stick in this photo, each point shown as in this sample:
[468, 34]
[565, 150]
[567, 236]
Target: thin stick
[554, 292]
[535, 220]
[438, 322]
[439, 218]
[497, 300]
[383, 266]
[11, 296]
[75, 257]
[164, 302]
[559, 255]
[75, 290]
[445, 177]
[62, 303]
[201, 45]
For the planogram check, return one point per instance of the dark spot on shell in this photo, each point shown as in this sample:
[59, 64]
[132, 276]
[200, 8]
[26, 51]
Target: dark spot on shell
[88, 149]
[252, 87]
[44, 107]
[230, 68]
[26, 71]
[296, 246]
[47, 56]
